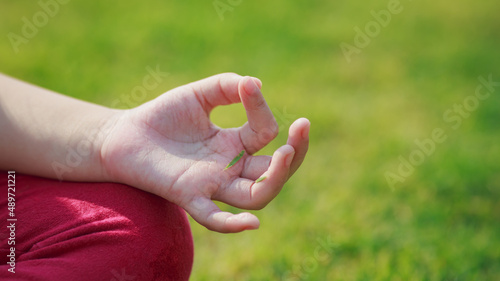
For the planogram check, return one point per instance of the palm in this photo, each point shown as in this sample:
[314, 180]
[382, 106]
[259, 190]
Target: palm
[169, 147]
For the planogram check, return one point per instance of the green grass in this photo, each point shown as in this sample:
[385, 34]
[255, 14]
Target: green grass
[442, 223]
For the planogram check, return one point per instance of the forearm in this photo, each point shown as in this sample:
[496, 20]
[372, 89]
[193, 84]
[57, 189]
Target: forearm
[47, 134]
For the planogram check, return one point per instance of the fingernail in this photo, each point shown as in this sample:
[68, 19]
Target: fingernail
[258, 82]
[251, 221]
[305, 132]
[250, 86]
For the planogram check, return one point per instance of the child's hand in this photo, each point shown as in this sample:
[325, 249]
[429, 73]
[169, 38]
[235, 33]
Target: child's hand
[169, 147]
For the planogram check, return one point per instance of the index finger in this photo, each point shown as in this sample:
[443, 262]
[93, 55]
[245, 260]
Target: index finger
[261, 127]
[220, 89]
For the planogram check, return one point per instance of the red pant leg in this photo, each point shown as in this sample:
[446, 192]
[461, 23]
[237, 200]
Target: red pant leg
[93, 231]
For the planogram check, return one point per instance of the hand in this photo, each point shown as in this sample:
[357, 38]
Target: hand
[170, 148]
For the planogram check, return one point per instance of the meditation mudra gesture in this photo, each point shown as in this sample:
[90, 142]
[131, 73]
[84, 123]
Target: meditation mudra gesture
[118, 212]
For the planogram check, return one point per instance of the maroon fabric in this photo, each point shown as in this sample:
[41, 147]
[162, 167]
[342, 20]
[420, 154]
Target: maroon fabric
[93, 231]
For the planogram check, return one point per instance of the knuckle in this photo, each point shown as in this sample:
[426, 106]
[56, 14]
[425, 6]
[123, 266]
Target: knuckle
[211, 228]
[269, 133]
[265, 136]
[230, 74]
[274, 128]
[260, 104]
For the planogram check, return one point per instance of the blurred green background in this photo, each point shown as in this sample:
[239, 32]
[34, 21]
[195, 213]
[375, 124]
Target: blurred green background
[338, 218]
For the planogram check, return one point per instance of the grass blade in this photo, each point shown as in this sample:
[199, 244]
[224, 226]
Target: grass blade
[260, 179]
[236, 159]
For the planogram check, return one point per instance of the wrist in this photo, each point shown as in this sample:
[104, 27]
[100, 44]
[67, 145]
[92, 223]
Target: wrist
[80, 158]
[104, 132]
